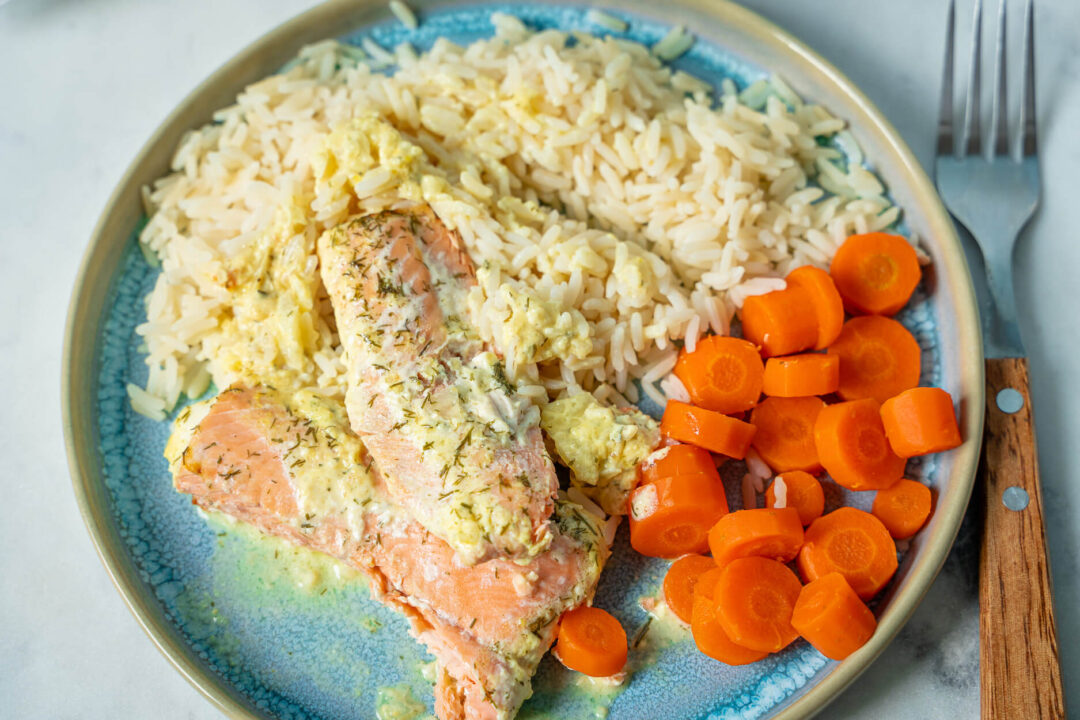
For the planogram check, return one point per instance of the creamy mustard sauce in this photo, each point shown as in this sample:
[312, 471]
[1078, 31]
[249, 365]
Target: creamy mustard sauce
[600, 445]
[535, 329]
[664, 630]
[252, 569]
[397, 702]
[267, 563]
[271, 329]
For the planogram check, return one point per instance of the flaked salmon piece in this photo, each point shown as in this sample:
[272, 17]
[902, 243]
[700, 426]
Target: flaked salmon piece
[288, 464]
[455, 443]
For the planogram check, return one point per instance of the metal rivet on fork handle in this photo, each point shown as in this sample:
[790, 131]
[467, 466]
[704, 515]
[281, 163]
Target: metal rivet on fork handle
[1015, 498]
[1009, 401]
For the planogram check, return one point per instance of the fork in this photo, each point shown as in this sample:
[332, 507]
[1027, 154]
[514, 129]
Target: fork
[993, 192]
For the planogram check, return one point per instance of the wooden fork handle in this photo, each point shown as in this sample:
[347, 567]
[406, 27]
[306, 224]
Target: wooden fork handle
[1020, 673]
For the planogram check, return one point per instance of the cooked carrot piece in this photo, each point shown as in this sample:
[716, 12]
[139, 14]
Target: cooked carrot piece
[828, 306]
[875, 273]
[679, 582]
[707, 429]
[801, 491]
[903, 508]
[709, 636]
[920, 421]
[592, 642]
[780, 322]
[678, 460]
[754, 600]
[761, 532]
[832, 618]
[722, 374]
[801, 375]
[785, 432]
[853, 543]
[852, 446]
[706, 584]
[879, 358]
[672, 515]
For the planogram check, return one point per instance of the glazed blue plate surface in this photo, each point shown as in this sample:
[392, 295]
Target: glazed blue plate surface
[281, 640]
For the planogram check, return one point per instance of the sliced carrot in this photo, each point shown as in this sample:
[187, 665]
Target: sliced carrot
[761, 532]
[920, 421]
[802, 491]
[879, 358]
[785, 432]
[706, 584]
[592, 642]
[801, 375]
[903, 508]
[678, 460]
[780, 322]
[722, 374]
[832, 618]
[707, 429]
[853, 543]
[852, 446]
[672, 515]
[709, 636]
[679, 582]
[828, 307]
[875, 273]
[754, 600]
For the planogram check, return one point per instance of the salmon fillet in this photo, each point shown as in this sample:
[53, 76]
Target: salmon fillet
[288, 464]
[456, 445]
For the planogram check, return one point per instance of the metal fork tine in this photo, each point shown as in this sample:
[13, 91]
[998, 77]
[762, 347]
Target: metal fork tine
[1027, 108]
[1000, 113]
[972, 131]
[946, 110]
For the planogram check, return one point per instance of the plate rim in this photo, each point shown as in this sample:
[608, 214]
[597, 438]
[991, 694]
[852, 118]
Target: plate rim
[111, 235]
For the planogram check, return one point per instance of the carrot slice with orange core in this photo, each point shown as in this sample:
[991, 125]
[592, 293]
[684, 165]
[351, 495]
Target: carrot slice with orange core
[722, 374]
[875, 273]
[706, 429]
[851, 443]
[709, 636]
[799, 490]
[785, 432]
[592, 642]
[903, 508]
[853, 543]
[828, 306]
[780, 322]
[755, 597]
[672, 515]
[920, 421]
[678, 460]
[801, 375]
[879, 358]
[832, 618]
[773, 533]
[680, 580]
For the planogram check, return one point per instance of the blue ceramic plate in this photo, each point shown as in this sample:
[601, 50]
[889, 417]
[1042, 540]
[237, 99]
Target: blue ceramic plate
[267, 631]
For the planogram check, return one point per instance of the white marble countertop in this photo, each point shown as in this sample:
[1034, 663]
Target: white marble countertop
[84, 84]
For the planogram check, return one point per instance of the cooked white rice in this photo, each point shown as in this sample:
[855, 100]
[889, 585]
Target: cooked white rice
[779, 492]
[633, 207]
[606, 20]
[675, 43]
[404, 13]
